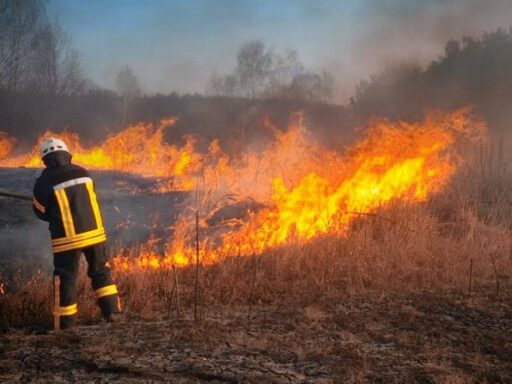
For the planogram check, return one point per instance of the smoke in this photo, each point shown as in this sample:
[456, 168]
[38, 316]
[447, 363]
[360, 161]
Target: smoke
[389, 33]
[22, 248]
[176, 46]
[131, 211]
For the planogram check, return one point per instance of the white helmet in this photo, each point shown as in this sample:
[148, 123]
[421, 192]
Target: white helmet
[53, 144]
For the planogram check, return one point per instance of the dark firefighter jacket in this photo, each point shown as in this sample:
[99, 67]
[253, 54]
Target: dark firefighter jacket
[64, 195]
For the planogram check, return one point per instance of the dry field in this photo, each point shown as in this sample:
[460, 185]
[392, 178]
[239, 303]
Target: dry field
[425, 337]
[418, 290]
[389, 302]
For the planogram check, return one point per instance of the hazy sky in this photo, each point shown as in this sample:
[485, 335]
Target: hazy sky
[176, 45]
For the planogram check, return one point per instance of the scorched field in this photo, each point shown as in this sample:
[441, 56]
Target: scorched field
[387, 260]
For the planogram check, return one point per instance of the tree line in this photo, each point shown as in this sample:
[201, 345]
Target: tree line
[35, 53]
[261, 72]
[40, 71]
[471, 72]
[42, 86]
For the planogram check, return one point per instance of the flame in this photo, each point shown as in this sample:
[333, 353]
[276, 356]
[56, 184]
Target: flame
[6, 145]
[313, 191]
[149, 259]
[139, 149]
[303, 189]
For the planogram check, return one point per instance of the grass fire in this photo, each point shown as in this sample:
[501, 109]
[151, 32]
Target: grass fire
[279, 224]
[299, 199]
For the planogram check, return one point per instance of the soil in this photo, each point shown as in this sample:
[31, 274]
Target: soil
[431, 337]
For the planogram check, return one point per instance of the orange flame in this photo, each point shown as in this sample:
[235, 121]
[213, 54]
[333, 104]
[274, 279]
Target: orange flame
[305, 190]
[313, 191]
[139, 149]
[6, 145]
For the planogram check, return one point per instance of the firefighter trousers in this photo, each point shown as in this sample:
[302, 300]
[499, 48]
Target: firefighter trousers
[66, 271]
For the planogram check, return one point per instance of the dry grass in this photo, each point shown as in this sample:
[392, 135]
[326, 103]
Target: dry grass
[386, 302]
[400, 248]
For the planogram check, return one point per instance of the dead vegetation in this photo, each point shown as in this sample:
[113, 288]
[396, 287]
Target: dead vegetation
[399, 248]
[440, 337]
[411, 293]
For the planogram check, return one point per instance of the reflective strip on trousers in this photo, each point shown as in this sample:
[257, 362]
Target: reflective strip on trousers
[106, 291]
[79, 237]
[80, 244]
[66, 311]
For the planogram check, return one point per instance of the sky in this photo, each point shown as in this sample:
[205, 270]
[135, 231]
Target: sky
[175, 46]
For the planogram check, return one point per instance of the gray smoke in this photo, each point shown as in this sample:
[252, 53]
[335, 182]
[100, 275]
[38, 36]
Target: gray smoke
[392, 32]
[131, 208]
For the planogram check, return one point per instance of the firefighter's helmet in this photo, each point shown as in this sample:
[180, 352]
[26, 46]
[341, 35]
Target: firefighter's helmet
[53, 144]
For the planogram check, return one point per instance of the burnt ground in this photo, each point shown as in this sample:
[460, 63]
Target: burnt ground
[436, 337]
[132, 207]
[424, 338]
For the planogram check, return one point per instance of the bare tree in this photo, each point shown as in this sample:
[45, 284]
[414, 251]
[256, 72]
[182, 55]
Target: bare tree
[19, 21]
[223, 85]
[35, 55]
[127, 87]
[55, 65]
[261, 72]
[312, 87]
[253, 67]
[285, 67]
[43, 60]
[70, 80]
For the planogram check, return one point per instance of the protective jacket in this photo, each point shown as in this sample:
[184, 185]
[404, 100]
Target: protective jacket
[64, 195]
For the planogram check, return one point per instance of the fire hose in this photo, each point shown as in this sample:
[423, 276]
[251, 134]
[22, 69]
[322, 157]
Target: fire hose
[18, 196]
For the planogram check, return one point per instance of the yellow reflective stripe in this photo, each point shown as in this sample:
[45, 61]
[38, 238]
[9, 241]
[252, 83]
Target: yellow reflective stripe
[106, 291]
[72, 182]
[81, 241]
[81, 236]
[65, 211]
[62, 212]
[79, 244]
[69, 215]
[38, 205]
[94, 204]
[66, 311]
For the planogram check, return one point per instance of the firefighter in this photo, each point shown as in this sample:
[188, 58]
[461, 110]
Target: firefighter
[65, 197]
